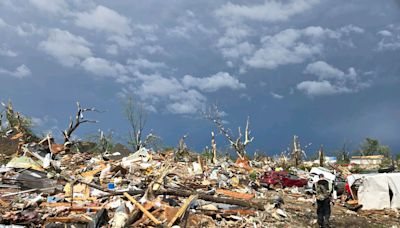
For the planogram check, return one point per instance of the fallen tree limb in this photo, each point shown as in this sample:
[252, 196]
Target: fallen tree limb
[256, 204]
[259, 205]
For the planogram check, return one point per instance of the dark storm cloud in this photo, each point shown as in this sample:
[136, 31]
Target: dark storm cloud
[307, 67]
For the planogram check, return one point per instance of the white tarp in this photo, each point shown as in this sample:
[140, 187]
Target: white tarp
[320, 170]
[394, 185]
[373, 192]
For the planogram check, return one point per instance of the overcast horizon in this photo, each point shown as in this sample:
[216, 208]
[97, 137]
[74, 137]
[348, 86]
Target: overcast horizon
[327, 71]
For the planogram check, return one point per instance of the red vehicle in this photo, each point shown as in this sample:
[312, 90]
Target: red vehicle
[282, 179]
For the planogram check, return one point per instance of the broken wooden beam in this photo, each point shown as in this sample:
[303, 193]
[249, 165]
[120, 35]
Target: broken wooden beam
[75, 207]
[67, 219]
[182, 210]
[146, 212]
[236, 195]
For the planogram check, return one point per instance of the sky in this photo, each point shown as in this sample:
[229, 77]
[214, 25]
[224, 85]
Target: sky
[327, 71]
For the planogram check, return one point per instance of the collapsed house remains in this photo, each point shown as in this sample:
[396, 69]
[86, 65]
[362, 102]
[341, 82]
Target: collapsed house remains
[45, 184]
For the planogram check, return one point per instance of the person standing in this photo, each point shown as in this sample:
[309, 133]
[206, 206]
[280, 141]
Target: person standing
[323, 197]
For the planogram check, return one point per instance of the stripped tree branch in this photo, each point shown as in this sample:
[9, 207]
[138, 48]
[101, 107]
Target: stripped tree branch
[137, 117]
[79, 119]
[214, 148]
[238, 145]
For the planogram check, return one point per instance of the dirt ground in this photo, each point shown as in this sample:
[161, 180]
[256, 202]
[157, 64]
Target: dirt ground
[303, 214]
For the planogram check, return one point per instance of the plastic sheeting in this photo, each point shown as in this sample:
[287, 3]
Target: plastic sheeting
[394, 185]
[373, 192]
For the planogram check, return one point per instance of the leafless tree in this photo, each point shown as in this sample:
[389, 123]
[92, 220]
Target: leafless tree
[238, 144]
[182, 150]
[321, 156]
[214, 148]
[1, 117]
[298, 153]
[105, 141]
[136, 115]
[153, 141]
[79, 119]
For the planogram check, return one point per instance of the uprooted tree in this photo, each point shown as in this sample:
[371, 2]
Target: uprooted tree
[239, 144]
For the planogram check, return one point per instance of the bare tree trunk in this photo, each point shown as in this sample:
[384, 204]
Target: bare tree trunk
[297, 152]
[137, 117]
[238, 145]
[214, 148]
[321, 156]
[182, 150]
[73, 125]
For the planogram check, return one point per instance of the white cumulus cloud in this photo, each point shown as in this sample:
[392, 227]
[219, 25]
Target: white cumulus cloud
[142, 63]
[20, 72]
[270, 10]
[385, 33]
[104, 19]
[324, 71]
[179, 96]
[186, 102]
[7, 52]
[103, 67]
[276, 96]
[315, 88]
[292, 46]
[52, 6]
[287, 47]
[67, 48]
[213, 82]
[331, 80]
[390, 40]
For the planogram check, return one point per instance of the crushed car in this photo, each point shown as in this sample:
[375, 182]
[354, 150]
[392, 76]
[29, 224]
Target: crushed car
[281, 179]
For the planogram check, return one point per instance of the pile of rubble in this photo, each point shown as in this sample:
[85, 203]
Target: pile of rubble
[44, 184]
[142, 189]
[148, 189]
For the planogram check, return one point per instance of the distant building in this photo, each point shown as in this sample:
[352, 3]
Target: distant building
[330, 160]
[372, 160]
[327, 160]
